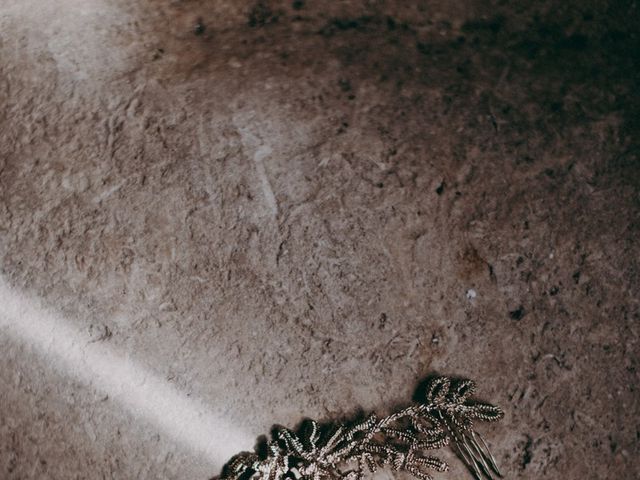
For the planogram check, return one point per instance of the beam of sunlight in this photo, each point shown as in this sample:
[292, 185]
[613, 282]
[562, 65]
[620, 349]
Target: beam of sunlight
[144, 394]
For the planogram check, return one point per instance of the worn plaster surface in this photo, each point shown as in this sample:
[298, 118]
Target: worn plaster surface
[286, 210]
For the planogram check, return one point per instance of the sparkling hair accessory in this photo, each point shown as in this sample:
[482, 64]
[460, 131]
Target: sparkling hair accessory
[443, 415]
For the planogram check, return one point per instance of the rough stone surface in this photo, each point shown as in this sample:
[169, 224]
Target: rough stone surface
[282, 208]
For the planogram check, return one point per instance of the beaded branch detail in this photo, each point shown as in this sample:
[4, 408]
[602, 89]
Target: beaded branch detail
[443, 416]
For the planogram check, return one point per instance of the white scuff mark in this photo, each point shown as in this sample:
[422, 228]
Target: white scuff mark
[324, 162]
[108, 192]
[261, 151]
[203, 137]
[258, 157]
[116, 374]
[471, 294]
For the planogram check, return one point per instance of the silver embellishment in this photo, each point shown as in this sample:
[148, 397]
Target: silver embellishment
[443, 416]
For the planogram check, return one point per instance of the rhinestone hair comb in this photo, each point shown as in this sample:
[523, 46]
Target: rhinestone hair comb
[443, 415]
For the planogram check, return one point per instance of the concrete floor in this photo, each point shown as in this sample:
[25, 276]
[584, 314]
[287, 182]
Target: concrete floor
[220, 216]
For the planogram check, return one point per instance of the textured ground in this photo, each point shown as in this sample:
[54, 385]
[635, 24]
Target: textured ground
[289, 210]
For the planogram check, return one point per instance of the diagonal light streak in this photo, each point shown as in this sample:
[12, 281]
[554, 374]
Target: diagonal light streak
[144, 394]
